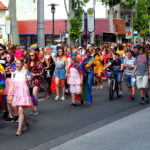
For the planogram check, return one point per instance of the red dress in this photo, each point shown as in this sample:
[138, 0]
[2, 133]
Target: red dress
[37, 69]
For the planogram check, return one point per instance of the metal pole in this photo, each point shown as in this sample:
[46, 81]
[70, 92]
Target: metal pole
[53, 26]
[40, 23]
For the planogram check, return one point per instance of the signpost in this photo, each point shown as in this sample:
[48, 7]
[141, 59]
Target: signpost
[91, 19]
[8, 26]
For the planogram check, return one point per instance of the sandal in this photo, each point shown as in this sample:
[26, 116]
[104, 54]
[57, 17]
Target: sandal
[18, 133]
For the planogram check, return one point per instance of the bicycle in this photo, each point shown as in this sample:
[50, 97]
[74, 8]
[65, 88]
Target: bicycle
[113, 86]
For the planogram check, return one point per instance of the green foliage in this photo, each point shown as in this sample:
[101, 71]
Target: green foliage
[141, 20]
[75, 28]
[76, 22]
[111, 2]
[128, 3]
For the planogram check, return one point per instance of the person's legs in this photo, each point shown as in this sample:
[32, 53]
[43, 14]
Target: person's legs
[21, 120]
[35, 93]
[119, 78]
[63, 87]
[57, 86]
[90, 77]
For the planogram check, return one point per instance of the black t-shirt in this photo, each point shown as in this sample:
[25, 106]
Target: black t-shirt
[116, 65]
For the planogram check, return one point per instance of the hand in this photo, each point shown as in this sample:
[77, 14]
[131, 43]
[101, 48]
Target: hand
[81, 83]
[132, 75]
[149, 77]
[33, 74]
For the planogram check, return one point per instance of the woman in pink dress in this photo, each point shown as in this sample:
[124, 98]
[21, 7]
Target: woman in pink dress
[75, 79]
[21, 94]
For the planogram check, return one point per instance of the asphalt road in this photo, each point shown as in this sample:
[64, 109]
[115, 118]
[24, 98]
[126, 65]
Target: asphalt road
[59, 122]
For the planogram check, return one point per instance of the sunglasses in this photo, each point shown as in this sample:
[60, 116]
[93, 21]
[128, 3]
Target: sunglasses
[31, 55]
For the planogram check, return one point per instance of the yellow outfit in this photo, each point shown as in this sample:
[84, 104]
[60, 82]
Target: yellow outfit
[121, 53]
[98, 65]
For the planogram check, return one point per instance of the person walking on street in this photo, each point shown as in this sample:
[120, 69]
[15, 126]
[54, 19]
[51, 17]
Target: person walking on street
[142, 70]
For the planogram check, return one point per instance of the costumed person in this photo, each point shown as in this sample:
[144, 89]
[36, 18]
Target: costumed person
[21, 95]
[88, 66]
[8, 91]
[36, 68]
[75, 79]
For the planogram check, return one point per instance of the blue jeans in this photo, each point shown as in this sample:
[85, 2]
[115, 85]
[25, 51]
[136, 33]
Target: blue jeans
[118, 76]
[90, 77]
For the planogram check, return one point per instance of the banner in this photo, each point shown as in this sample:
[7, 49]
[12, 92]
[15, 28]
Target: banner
[91, 19]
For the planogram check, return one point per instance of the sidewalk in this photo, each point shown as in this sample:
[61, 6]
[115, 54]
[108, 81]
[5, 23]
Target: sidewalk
[129, 133]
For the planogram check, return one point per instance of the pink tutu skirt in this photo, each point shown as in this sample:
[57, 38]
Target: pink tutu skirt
[8, 87]
[21, 94]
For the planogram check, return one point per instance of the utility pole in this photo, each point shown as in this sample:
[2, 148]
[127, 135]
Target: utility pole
[14, 25]
[40, 24]
[92, 35]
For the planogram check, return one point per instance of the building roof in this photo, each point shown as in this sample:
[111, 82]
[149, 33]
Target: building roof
[2, 6]
[101, 25]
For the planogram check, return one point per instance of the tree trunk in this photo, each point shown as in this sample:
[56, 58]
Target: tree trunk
[40, 23]
[111, 24]
[14, 25]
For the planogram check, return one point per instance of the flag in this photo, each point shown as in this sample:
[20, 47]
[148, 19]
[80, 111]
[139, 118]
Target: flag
[34, 46]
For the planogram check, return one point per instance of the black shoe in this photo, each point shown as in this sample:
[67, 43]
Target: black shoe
[82, 102]
[147, 99]
[16, 119]
[73, 105]
[9, 119]
[133, 98]
[142, 101]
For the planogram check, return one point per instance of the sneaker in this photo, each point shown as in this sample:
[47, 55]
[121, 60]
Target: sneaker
[142, 101]
[120, 93]
[57, 98]
[132, 98]
[31, 113]
[36, 113]
[63, 98]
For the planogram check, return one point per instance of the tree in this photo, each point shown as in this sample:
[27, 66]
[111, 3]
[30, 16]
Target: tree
[74, 19]
[111, 4]
[142, 18]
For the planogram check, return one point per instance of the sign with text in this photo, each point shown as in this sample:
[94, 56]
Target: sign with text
[91, 19]
[109, 37]
[8, 25]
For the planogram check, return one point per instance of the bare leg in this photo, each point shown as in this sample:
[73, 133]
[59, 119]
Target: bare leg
[73, 98]
[57, 86]
[63, 88]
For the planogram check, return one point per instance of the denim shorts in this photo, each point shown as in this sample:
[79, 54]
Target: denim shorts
[117, 74]
[131, 82]
[60, 73]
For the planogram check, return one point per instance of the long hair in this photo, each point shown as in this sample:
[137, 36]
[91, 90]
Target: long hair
[36, 61]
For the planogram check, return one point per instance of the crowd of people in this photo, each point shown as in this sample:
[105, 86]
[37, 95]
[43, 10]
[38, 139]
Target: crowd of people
[65, 70]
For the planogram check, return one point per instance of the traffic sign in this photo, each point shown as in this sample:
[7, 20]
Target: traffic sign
[91, 19]
[8, 25]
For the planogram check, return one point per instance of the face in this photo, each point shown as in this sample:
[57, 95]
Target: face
[32, 56]
[136, 50]
[68, 51]
[45, 50]
[8, 58]
[116, 57]
[88, 54]
[60, 52]
[19, 65]
[129, 54]
[41, 54]
[1, 51]
[141, 51]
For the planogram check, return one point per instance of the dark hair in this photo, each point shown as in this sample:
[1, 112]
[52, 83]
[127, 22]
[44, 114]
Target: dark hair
[60, 48]
[120, 47]
[142, 48]
[12, 57]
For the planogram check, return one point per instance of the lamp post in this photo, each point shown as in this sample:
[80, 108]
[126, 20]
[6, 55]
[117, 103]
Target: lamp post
[53, 8]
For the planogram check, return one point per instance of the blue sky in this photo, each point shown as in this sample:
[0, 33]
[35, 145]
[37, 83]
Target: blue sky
[26, 9]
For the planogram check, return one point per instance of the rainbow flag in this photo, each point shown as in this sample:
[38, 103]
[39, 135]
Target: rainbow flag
[88, 62]
[86, 93]
[34, 46]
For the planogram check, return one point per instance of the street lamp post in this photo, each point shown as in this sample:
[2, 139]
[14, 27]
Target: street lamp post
[53, 8]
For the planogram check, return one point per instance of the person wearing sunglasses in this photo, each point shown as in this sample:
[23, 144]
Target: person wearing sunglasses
[36, 68]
